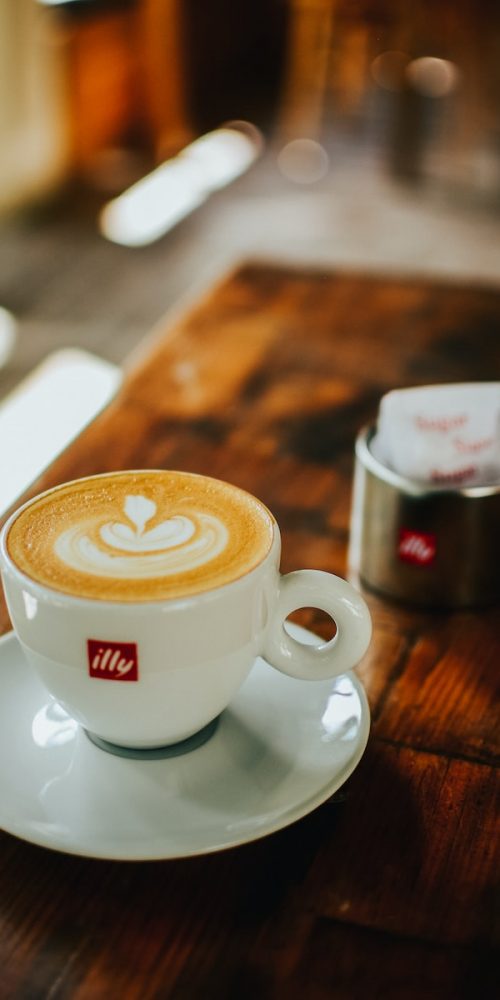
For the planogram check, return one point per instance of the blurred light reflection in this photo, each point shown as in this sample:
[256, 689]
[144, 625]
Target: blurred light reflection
[156, 203]
[52, 726]
[433, 77]
[30, 605]
[388, 69]
[303, 161]
[342, 715]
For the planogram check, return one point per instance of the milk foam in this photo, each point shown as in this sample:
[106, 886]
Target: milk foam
[140, 535]
[178, 544]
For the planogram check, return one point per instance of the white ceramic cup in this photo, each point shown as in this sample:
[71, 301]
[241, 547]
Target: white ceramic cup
[177, 663]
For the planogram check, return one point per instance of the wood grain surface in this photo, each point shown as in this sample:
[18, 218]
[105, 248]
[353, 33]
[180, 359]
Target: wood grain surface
[389, 889]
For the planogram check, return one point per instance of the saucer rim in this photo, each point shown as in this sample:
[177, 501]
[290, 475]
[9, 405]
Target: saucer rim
[285, 819]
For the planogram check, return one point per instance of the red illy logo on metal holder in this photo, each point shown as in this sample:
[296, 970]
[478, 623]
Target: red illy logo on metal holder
[416, 547]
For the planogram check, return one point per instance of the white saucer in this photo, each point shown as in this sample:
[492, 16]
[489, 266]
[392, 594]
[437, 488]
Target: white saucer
[279, 750]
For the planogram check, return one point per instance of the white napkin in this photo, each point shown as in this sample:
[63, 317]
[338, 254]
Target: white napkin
[46, 411]
[443, 435]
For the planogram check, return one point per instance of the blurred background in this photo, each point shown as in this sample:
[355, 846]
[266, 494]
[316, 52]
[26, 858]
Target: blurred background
[149, 145]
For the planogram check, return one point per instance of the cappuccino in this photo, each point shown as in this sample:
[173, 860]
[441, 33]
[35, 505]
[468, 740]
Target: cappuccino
[140, 536]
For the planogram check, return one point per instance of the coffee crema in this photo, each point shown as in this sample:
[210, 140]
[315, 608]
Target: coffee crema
[140, 536]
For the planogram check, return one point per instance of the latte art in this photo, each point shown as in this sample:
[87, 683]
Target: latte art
[179, 543]
[140, 536]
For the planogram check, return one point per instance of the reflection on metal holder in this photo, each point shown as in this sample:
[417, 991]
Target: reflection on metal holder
[424, 545]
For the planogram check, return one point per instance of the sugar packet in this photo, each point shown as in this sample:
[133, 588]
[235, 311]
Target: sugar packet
[442, 435]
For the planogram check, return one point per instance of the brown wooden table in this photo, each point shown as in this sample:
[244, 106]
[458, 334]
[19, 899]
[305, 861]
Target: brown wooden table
[387, 890]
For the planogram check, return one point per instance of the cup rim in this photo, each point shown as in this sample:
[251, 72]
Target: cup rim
[52, 593]
[411, 486]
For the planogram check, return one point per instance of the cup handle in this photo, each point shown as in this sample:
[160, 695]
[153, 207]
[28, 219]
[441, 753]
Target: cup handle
[329, 593]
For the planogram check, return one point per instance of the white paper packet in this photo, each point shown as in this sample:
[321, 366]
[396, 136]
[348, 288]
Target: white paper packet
[442, 435]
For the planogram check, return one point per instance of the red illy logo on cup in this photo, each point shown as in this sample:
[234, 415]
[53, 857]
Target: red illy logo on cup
[113, 661]
[416, 547]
